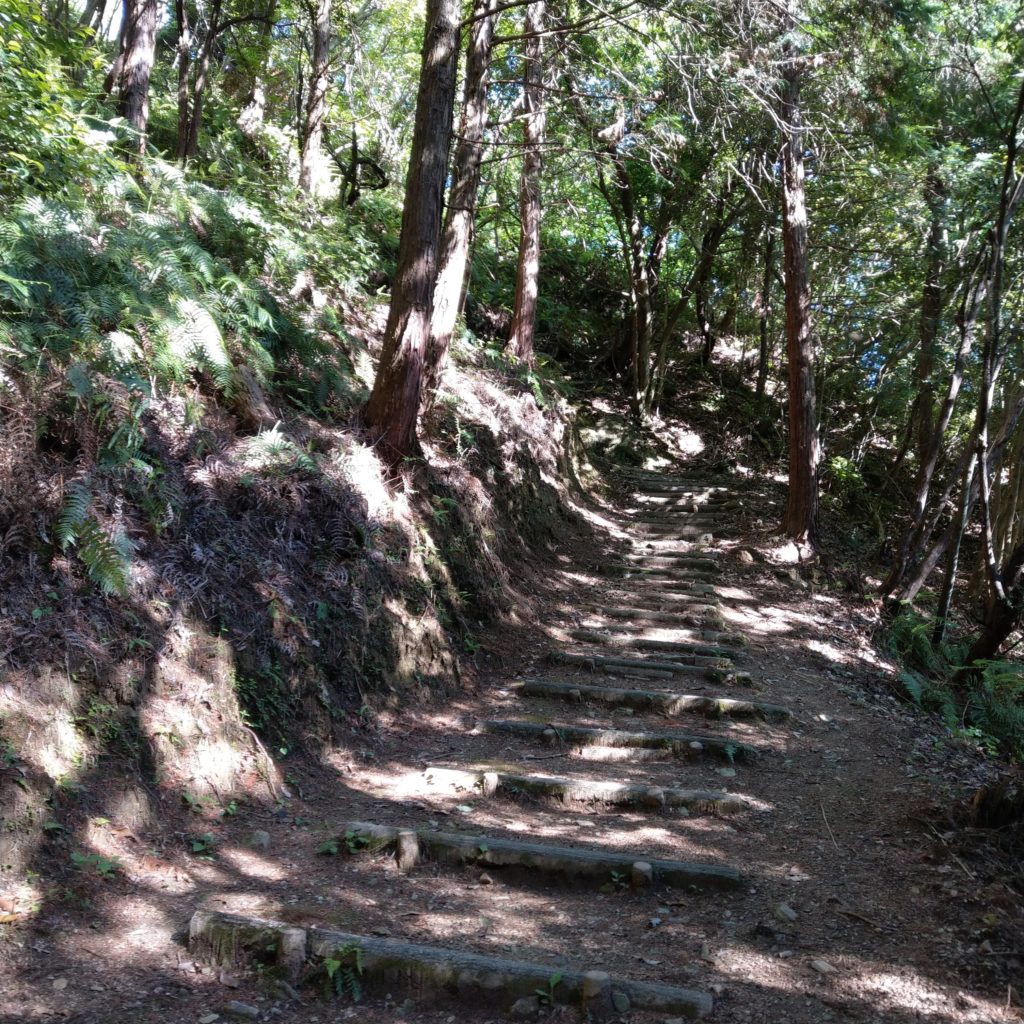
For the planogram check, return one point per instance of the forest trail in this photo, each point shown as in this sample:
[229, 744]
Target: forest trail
[687, 792]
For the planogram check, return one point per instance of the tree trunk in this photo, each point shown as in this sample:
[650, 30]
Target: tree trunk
[720, 222]
[311, 165]
[931, 313]
[137, 66]
[395, 400]
[184, 68]
[524, 312]
[801, 514]
[764, 313]
[457, 238]
[1003, 615]
[250, 117]
[113, 76]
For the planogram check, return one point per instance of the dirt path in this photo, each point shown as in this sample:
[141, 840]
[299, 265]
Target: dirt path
[737, 819]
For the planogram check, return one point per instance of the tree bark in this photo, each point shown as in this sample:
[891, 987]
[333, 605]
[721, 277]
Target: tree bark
[524, 311]
[311, 163]
[113, 76]
[457, 238]
[250, 117]
[931, 313]
[137, 66]
[800, 519]
[395, 400]
[764, 313]
[720, 221]
[184, 69]
[1003, 615]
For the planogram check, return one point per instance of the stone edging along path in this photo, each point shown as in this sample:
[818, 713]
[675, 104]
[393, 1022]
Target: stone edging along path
[653, 589]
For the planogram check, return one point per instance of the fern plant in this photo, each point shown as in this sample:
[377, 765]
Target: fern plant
[107, 557]
[343, 970]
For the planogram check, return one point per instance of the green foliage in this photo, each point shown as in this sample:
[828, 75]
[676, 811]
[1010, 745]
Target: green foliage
[47, 142]
[264, 700]
[105, 867]
[107, 557]
[986, 708]
[343, 971]
[995, 707]
[202, 846]
[546, 995]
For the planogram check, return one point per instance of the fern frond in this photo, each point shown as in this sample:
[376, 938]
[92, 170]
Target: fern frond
[74, 514]
[107, 559]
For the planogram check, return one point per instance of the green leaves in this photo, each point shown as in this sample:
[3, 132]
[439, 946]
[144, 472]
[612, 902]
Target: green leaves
[107, 557]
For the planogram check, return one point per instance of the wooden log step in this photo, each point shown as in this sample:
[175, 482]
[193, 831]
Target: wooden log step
[694, 654]
[431, 974]
[680, 744]
[565, 789]
[663, 702]
[688, 531]
[689, 567]
[661, 575]
[653, 612]
[574, 862]
[706, 518]
[678, 590]
[632, 621]
[709, 560]
[605, 663]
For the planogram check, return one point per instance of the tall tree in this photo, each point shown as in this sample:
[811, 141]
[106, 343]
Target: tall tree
[800, 519]
[137, 65]
[311, 165]
[457, 239]
[524, 311]
[395, 400]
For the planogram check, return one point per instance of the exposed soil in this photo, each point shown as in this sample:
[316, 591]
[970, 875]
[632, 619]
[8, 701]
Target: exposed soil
[849, 826]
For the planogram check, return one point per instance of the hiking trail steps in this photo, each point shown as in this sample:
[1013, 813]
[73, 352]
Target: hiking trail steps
[666, 583]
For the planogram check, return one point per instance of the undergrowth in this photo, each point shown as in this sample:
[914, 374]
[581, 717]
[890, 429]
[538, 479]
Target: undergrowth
[984, 707]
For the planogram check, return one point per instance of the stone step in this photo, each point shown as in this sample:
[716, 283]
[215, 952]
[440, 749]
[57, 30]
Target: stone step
[692, 652]
[432, 974]
[567, 789]
[661, 701]
[682, 745]
[662, 668]
[684, 647]
[574, 862]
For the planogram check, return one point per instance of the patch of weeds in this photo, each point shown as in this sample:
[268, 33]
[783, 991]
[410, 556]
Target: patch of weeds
[196, 804]
[202, 846]
[442, 509]
[105, 867]
[343, 971]
[546, 995]
[42, 610]
[352, 841]
[264, 701]
[100, 721]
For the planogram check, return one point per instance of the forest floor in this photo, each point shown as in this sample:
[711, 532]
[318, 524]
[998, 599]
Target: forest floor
[862, 899]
